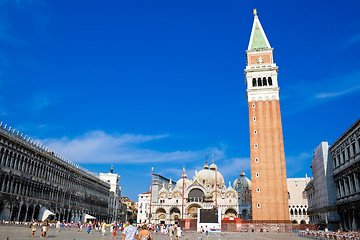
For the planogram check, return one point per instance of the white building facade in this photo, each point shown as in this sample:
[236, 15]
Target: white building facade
[321, 190]
[115, 194]
[143, 207]
[298, 202]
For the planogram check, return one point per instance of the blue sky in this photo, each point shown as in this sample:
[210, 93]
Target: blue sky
[161, 83]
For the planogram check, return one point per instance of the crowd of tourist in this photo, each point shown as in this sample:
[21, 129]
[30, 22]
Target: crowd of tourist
[326, 234]
[128, 230]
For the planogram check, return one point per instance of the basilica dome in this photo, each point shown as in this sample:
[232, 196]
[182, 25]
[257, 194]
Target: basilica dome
[179, 183]
[242, 182]
[207, 176]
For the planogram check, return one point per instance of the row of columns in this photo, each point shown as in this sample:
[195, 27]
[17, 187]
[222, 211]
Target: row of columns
[348, 185]
[296, 212]
[347, 153]
[25, 211]
[26, 173]
[349, 219]
[38, 168]
[26, 188]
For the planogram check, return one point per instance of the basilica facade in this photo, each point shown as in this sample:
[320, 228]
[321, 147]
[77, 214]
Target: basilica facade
[172, 201]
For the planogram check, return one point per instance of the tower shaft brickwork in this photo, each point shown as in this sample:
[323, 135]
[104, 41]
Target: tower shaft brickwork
[268, 171]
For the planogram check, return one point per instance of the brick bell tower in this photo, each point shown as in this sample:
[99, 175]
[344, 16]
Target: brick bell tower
[268, 172]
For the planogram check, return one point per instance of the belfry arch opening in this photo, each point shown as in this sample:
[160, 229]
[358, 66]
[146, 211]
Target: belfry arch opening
[254, 82]
[264, 81]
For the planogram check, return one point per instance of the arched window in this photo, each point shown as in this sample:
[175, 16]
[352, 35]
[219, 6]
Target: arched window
[196, 195]
[296, 212]
[259, 82]
[291, 212]
[264, 81]
[288, 195]
[254, 82]
[270, 81]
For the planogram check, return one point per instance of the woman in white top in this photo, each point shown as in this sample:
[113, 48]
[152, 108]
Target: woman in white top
[178, 232]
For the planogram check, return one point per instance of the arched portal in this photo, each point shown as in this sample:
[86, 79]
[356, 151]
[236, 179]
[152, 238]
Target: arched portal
[175, 215]
[61, 215]
[6, 211]
[22, 212]
[230, 213]
[70, 216]
[192, 211]
[15, 212]
[36, 212]
[30, 213]
[161, 215]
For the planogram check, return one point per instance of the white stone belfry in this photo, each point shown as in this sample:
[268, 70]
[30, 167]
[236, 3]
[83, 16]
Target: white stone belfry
[261, 71]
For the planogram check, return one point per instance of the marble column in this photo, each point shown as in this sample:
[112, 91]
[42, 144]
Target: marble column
[354, 226]
[351, 184]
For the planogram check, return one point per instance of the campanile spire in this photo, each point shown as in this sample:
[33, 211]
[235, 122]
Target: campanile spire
[268, 173]
[258, 37]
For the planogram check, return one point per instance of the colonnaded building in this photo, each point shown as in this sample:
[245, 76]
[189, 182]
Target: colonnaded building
[334, 193]
[36, 183]
[206, 190]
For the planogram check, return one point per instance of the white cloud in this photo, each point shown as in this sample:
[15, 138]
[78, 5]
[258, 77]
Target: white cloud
[100, 147]
[353, 40]
[302, 96]
[339, 93]
[235, 165]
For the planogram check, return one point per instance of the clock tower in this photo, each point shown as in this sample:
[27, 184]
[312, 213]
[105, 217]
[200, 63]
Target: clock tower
[268, 172]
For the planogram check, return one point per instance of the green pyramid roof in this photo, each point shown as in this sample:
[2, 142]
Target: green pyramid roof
[258, 40]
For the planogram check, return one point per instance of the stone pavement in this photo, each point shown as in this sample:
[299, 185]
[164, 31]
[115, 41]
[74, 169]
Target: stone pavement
[21, 232]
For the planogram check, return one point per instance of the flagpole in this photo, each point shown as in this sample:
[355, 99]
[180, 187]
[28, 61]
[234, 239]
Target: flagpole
[152, 171]
[182, 212]
[215, 181]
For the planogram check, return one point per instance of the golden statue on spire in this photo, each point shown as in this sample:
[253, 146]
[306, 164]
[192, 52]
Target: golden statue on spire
[255, 12]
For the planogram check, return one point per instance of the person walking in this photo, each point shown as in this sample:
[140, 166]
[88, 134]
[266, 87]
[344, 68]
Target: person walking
[58, 225]
[103, 227]
[171, 232]
[130, 232]
[145, 234]
[114, 227]
[178, 232]
[206, 231]
[202, 232]
[44, 228]
[33, 227]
